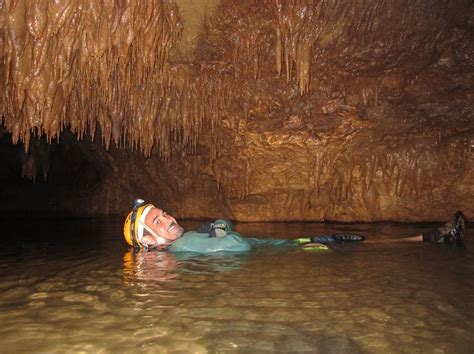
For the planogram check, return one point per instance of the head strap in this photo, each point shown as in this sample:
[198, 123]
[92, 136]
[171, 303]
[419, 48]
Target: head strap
[136, 204]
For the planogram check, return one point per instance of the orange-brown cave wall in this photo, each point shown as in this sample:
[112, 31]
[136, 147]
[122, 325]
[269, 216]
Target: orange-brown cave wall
[349, 111]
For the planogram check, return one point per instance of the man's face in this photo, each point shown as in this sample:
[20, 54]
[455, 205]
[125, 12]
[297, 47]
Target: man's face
[163, 224]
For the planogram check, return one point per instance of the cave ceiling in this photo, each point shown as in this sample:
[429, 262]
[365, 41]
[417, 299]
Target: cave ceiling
[256, 110]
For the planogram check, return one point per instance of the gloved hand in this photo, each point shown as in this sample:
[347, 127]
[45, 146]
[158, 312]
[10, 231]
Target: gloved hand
[205, 228]
[342, 237]
[218, 230]
[213, 229]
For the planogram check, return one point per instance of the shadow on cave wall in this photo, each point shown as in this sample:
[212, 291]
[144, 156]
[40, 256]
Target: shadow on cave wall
[36, 182]
[72, 177]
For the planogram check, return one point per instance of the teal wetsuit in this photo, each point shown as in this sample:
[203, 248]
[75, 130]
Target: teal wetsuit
[193, 241]
[206, 240]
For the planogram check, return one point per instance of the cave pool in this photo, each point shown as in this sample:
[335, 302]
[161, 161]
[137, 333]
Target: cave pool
[70, 285]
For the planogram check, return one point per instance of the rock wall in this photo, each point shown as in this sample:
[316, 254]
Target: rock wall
[313, 110]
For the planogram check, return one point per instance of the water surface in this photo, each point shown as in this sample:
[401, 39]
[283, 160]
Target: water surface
[69, 285]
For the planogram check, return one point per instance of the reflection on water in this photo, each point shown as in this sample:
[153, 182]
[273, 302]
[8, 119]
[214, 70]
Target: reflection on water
[160, 266]
[72, 285]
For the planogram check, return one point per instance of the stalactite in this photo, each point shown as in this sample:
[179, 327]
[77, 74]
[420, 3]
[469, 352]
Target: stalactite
[278, 51]
[298, 30]
[122, 82]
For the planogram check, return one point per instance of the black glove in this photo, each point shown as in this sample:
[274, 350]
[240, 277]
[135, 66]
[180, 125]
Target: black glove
[214, 230]
[348, 237]
[205, 228]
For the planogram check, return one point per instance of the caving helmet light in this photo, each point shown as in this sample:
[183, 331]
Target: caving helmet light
[134, 226]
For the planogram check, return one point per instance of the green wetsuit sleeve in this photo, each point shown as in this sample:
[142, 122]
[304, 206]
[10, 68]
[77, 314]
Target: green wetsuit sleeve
[269, 242]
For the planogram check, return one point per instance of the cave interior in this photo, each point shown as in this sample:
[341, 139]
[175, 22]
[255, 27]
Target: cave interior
[355, 111]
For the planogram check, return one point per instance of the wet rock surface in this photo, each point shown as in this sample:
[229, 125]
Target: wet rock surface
[269, 111]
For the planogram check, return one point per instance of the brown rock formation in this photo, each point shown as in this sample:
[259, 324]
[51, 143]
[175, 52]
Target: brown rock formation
[275, 110]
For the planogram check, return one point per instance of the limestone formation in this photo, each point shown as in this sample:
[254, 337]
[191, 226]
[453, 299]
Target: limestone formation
[270, 110]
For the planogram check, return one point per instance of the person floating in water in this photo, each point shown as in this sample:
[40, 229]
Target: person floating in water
[148, 227]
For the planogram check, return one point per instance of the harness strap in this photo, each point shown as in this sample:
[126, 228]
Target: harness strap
[136, 204]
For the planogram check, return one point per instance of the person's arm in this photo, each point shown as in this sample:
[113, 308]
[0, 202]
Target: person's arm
[328, 239]
[418, 238]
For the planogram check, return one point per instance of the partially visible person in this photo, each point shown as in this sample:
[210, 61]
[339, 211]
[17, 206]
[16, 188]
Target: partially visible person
[148, 227]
